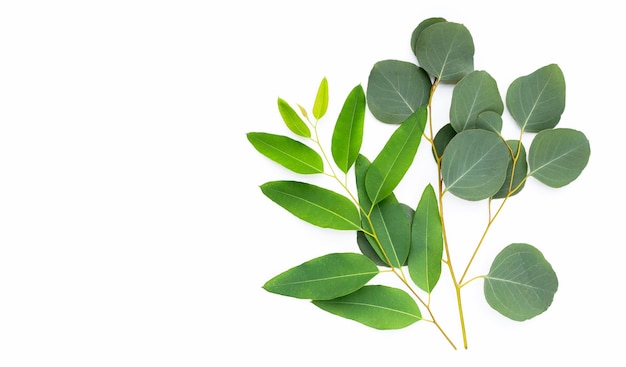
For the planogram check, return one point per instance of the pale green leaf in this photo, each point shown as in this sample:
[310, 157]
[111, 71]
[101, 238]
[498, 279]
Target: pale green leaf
[321, 100]
[293, 121]
[348, 133]
[288, 152]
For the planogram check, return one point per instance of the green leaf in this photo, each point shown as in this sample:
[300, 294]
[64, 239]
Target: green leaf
[426, 242]
[348, 132]
[474, 164]
[558, 156]
[361, 167]
[292, 119]
[441, 140]
[489, 120]
[446, 51]
[477, 92]
[288, 152]
[393, 230]
[420, 27]
[367, 249]
[521, 169]
[394, 160]
[314, 204]
[325, 277]
[377, 306]
[536, 101]
[521, 283]
[396, 89]
[321, 100]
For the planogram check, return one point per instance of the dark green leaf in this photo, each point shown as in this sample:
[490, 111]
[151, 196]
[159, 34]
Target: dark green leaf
[446, 51]
[475, 93]
[420, 27]
[396, 89]
[361, 167]
[325, 277]
[474, 164]
[288, 152]
[536, 101]
[521, 169]
[292, 119]
[377, 306]
[367, 249]
[394, 160]
[426, 242]
[521, 283]
[348, 132]
[321, 100]
[441, 140]
[314, 204]
[557, 157]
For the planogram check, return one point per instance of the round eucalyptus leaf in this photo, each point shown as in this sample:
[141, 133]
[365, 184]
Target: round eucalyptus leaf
[558, 156]
[521, 169]
[420, 27]
[474, 164]
[536, 101]
[396, 89]
[475, 93]
[489, 120]
[521, 283]
[446, 51]
[441, 139]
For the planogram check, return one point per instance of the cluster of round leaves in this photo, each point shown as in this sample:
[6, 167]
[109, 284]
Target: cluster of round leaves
[476, 163]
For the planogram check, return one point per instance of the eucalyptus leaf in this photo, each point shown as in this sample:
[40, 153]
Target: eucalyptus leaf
[441, 140]
[377, 306]
[320, 105]
[521, 170]
[314, 204]
[477, 92]
[536, 101]
[420, 27]
[392, 228]
[474, 164]
[288, 152]
[361, 166]
[325, 277]
[367, 249]
[394, 160]
[426, 242]
[348, 132]
[446, 51]
[489, 120]
[396, 89]
[293, 121]
[521, 283]
[558, 156]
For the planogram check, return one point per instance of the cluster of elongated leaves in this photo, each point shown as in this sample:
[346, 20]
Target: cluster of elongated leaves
[474, 160]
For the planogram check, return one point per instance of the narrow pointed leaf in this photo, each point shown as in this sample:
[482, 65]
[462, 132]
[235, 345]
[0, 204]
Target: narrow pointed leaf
[325, 277]
[392, 227]
[314, 204]
[321, 100]
[536, 101]
[477, 92]
[367, 249]
[293, 121]
[521, 283]
[420, 27]
[446, 51]
[474, 164]
[394, 160]
[288, 152]
[426, 242]
[558, 156]
[377, 306]
[396, 89]
[348, 132]
[519, 175]
[361, 167]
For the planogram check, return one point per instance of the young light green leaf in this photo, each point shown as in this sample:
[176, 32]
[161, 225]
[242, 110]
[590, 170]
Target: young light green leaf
[426, 242]
[536, 101]
[393, 230]
[321, 100]
[377, 306]
[521, 170]
[396, 89]
[394, 160]
[325, 277]
[521, 284]
[314, 204]
[446, 51]
[474, 164]
[288, 152]
[420, 27]
[348, 132]
[558, 156]
[292, 119]
[475, 93]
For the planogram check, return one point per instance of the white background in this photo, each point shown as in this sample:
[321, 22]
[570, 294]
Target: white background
[132, 228]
